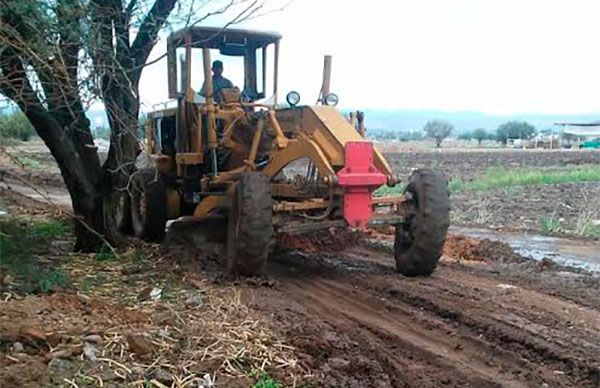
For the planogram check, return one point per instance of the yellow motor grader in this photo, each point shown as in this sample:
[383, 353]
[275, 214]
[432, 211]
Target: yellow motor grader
[269, 168]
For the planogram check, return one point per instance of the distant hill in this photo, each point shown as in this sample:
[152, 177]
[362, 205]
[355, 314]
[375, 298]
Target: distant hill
[406, 120]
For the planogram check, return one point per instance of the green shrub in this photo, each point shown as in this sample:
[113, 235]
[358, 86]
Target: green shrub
[264, 380]
[16, 126]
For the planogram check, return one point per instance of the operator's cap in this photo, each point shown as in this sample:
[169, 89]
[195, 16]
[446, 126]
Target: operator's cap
[217, 64]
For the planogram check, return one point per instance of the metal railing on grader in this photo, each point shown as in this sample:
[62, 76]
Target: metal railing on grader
[229, 159]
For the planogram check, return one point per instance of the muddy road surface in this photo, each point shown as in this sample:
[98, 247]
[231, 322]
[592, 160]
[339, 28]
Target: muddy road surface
[482, 322]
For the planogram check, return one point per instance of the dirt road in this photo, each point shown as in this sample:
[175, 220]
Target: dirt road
[481, 324]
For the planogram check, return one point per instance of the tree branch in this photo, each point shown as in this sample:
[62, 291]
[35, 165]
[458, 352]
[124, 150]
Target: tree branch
[146, 37]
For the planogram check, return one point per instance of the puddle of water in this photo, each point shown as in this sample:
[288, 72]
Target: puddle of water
[563, 251]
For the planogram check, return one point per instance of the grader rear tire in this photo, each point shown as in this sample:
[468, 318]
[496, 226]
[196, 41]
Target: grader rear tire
[250, 231]
[148, 206]
[420, 240]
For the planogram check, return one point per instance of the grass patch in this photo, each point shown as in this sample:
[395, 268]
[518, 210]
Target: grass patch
[550, 225]
[22, 244]
[264, 380]
[499, 177]
[28, 162]
[592, 231]
[384, 191]
[105, 254]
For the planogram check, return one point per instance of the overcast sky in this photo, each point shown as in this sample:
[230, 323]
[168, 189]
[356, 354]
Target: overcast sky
[493, 56]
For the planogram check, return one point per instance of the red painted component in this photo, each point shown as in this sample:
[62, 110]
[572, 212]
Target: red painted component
[360, 178]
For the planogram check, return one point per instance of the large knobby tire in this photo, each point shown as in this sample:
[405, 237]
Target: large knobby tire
[251, 231]
[148, 205]
[420, 239]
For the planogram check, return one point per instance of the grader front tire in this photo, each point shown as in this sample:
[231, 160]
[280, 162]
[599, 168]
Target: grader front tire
[420, 240]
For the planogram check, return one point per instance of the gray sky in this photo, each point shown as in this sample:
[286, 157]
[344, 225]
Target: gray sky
[494, 56]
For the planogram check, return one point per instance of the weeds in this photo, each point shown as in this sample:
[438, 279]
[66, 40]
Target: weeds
[28, 162]
[105, 254]
[263, 379]
[20, 241]
[499, 177]
[48, 228]
[587, 224]
[550, 225]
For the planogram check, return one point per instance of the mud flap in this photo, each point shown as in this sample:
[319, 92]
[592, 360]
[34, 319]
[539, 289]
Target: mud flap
[360, 178]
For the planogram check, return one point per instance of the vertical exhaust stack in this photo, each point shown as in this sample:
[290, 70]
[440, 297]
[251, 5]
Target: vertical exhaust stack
[325, 87]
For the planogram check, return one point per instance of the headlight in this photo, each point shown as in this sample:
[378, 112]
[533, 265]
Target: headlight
[331, 99]
[293, 98]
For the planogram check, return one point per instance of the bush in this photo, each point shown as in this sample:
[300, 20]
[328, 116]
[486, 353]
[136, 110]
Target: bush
[16, 126]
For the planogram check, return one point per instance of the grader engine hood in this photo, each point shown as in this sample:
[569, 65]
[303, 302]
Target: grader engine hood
[360, 178]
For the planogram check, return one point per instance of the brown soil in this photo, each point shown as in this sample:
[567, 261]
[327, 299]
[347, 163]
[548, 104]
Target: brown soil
[523, 208]
[483, 319]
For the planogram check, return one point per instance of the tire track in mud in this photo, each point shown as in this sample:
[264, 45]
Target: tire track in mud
[456, 328]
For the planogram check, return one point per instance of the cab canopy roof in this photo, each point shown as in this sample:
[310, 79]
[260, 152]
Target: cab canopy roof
[220, 38]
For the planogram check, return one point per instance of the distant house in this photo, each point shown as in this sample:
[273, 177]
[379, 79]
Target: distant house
[579, 131]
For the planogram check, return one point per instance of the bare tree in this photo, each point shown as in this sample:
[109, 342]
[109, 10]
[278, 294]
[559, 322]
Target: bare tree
[57, 57]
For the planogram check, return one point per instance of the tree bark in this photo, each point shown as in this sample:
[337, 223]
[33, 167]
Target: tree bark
[68, 137]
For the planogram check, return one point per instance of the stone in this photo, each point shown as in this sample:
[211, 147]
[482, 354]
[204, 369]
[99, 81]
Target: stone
[139, 343]
[89, 351]
[163, 376]
[53, 339]
[18, 347]
[61, 354]
[193, 299]
[59, 365]
[338, 363]
[93, 339]
[33, 334]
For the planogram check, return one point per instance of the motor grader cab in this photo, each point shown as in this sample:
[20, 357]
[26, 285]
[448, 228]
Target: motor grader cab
[268, 169]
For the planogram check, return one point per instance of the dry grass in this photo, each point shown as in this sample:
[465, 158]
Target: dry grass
[588, 217]
[220, 340]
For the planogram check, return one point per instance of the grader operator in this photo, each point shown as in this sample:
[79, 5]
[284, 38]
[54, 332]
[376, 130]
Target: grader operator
[267, 169]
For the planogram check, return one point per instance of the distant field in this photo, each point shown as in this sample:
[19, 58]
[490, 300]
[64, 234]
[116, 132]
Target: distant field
[469, 164]
[545, 192]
